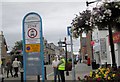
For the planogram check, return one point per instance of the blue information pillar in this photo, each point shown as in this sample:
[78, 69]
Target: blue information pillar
[33, 48]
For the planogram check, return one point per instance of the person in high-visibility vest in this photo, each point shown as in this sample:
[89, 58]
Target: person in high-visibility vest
[61, 68]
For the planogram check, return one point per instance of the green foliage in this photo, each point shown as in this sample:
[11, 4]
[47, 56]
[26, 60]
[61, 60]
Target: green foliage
[17, 47]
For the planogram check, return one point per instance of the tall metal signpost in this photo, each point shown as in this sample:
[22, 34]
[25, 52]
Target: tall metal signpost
[65, 45]
[33, 49]
[73, 66]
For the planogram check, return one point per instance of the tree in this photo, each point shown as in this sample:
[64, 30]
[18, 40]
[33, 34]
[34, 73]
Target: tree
[18, 45]
[17, 48]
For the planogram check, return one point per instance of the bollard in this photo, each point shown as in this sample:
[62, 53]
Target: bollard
[21, 76]
[38, 77]
[2, 79]
[45, 73]
[21, 72]
[67, 73]
[106, 64]
[88, 61]
[94, 64]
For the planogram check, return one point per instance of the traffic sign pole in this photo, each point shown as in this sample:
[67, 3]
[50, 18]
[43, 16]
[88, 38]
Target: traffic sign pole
[42, 51]
[24, 53]
[73, 66]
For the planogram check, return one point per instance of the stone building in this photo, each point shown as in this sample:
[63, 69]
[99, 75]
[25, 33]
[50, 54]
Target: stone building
[3, 48]
[3, 51]
[51, 50]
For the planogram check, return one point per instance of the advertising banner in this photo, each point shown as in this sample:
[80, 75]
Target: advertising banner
[116, 37]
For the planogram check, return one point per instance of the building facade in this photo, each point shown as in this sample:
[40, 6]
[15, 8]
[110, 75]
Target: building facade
[3, 51]
[101, 48]
[116, 41]
[3, 48]
[51, 50]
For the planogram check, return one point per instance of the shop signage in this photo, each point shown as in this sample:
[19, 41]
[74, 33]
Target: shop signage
[116, 37]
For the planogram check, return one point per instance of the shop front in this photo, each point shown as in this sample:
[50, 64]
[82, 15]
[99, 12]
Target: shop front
[116, 40]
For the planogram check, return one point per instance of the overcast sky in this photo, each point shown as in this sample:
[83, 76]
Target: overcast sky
[56, 16]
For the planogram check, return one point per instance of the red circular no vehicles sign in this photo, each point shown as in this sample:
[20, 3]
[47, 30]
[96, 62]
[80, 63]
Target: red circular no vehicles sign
[32, 33]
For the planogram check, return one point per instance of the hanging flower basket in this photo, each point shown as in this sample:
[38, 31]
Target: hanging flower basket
[106, 14]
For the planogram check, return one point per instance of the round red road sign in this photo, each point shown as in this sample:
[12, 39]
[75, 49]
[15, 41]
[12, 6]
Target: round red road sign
[32, 33]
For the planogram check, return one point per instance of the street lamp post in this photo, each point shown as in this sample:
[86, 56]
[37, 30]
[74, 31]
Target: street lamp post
[114, 65]
[87, 3]
[65, 50]
[93, 60]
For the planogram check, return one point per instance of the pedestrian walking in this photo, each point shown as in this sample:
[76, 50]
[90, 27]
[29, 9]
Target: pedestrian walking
[15, 65]
[55, 63]
[19, 65]
[9, 68]
[80, 58]
[61, 68]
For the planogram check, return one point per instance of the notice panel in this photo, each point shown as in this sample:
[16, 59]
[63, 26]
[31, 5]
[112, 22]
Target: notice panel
[32, 41]
[32, 30]
[33, 63]
[32, 48]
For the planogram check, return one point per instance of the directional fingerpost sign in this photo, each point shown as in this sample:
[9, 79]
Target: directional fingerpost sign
[33, 49]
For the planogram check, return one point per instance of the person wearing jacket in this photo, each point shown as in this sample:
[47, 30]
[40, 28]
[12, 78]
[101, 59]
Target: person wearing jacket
[9, 68]
[61, 68]
[15, 65]
[55, 63]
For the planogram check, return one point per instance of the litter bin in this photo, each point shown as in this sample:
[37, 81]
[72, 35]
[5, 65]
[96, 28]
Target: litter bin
[88, 61]
[94, 66]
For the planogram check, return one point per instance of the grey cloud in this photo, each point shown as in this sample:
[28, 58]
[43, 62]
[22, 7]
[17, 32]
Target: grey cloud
[0, 16]
[12, 38]
[42, 0]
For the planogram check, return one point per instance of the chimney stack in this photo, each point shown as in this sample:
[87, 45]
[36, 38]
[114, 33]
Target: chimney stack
[1, 32]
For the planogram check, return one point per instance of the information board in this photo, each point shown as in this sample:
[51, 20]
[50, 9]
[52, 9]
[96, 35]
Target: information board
[33, 47]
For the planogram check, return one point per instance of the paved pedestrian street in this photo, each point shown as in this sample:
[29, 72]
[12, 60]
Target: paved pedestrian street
[81, 70]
